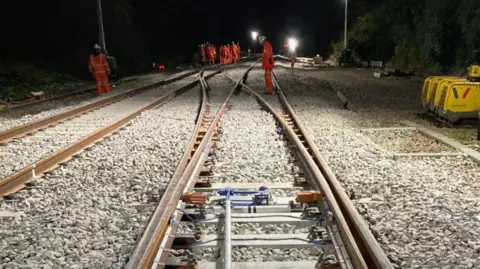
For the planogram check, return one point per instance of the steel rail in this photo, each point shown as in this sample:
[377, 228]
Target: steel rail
[371, 251]
[22, 130]
[18, 180]
[354, 253]
[151, 250]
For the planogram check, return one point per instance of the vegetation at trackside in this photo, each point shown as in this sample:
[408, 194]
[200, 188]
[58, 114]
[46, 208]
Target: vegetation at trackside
[428, 36]
[19, 81]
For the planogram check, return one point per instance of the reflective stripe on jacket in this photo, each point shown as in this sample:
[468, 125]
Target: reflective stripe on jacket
[98, 64]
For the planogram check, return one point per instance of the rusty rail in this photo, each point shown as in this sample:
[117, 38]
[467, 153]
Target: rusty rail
[157, 237]
[18, 180]
[371, 251]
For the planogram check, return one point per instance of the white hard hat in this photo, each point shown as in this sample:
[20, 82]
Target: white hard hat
[261, 39]
[318, 55]
[97, 47]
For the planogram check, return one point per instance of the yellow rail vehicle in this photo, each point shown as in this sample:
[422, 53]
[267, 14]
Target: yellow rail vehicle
[440, 88]
[429, 88]
[453, 99]
[460, 100]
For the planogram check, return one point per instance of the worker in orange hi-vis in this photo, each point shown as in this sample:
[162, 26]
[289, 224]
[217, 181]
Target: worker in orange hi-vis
[211, 54]
[227, 54]
[234, 52]
[267, 62]
[98, 66]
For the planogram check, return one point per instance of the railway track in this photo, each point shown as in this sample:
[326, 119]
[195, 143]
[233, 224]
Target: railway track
[26, 113]
[218, 221]
[30, 150]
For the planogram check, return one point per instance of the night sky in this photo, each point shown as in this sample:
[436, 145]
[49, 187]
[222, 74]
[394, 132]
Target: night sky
[61, 31]
[314, 23]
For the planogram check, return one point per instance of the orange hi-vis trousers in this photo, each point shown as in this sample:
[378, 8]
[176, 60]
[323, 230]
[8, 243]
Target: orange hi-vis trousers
[102, 82]
[268, 80]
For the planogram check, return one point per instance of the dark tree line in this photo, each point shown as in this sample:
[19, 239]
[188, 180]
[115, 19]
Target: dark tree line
[61, 34]
[423, 36]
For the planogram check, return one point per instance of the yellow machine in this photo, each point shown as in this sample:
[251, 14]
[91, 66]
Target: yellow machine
[461, 100]
[452, 99]
[429, 90]
[425, 91]
[474, 73]
[441, 88]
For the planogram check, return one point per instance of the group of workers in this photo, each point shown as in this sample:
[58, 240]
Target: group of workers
[227, 54]
[100, 70]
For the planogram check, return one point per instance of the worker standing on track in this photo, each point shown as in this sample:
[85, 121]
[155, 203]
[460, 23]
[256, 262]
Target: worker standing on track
[267, 62]
[227, 54]
[98, 66]
[210, 53]
[222, 54]
[234, 52]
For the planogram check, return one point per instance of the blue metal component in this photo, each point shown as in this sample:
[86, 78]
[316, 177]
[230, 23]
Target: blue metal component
[260, 195]
[279, 130]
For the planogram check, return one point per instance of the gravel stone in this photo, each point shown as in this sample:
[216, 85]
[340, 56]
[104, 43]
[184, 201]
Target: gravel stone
[249, 149]
[407, 141]
[251, 254]
[245, 228]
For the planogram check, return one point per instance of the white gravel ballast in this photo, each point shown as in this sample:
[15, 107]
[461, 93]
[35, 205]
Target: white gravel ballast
[89, 212]
[34, 112]
[249, 149]
[423, 211]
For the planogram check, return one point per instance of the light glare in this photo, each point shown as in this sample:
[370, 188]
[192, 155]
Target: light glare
[254, 35]
[292, 44]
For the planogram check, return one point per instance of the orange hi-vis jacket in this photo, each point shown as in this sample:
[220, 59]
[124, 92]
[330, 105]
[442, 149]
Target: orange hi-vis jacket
[267, 56]
[98, 64]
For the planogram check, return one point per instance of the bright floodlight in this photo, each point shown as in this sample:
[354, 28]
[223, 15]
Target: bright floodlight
[292, 44]
[254, 35]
